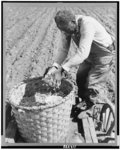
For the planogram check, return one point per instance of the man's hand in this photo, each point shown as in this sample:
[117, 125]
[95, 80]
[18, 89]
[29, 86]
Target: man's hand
[49, 71]
[53, 76]
[57, 77]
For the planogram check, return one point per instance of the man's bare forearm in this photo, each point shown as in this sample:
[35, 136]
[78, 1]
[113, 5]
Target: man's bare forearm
[63, 48]
[74, 61]
[61, 56]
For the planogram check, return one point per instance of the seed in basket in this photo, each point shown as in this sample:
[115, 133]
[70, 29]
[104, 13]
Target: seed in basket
[52, 99]
[40, 98]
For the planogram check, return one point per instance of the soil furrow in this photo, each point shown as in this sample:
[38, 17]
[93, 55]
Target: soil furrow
[11, 15]
[19, 69]
[79, 11]
[42, 60]
[19, 17]
[18, 50]
[20, 29]
[24, 45]
[45, 47]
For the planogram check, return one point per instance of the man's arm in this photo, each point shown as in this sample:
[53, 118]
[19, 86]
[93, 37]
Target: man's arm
[87, 35]
[63, 49]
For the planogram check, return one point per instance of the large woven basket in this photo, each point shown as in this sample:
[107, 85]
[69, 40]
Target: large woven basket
[42, 124]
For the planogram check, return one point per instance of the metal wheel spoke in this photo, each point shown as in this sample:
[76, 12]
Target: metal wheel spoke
[108, 121]
[107, 117]
[103, 122]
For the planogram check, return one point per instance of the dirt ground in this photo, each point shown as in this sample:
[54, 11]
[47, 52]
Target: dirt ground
[31, 41]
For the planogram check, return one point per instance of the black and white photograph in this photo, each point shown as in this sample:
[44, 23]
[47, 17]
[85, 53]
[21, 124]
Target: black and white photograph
[60, 74]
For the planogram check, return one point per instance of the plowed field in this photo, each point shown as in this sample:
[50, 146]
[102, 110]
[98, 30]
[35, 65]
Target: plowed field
[31, 41]
[31, 38]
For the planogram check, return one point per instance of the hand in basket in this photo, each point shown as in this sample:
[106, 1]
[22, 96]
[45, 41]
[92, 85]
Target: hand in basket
[53, 76]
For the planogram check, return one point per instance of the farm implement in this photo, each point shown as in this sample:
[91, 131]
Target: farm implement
[98, 124]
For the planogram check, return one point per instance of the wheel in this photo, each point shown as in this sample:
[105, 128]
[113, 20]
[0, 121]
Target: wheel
[96, 111]
[107, 119]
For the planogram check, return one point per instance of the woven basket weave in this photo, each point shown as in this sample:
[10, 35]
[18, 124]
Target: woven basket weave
[45, 124]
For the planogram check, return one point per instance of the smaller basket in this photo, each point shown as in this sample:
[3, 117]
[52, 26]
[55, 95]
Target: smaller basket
[46, 123]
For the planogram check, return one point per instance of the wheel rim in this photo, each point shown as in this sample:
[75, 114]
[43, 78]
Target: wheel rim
[107, 119]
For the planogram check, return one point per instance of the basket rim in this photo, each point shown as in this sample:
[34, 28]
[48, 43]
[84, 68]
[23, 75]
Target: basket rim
[47, 105]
